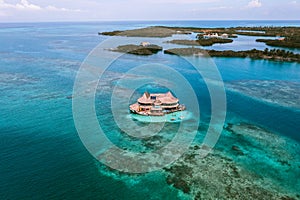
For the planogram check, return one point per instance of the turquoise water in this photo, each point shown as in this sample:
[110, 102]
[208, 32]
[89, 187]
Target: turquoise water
[171, 118]
[41, 153]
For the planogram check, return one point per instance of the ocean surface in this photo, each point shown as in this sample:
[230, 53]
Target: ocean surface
[42, 156]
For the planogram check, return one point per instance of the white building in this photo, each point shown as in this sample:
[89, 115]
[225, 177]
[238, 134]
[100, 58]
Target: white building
[215, 35]
[224, 36]
[145, 44]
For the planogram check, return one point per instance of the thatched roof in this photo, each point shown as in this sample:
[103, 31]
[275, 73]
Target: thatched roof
[164, 98]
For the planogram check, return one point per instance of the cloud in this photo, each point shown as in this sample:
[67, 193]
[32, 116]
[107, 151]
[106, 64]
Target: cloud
[5, 5]
[220, 8]
[88, 10]
[22, 5]
[53, 8]
[254, 4]
[3, 14]
[26, 5]
[174, 1]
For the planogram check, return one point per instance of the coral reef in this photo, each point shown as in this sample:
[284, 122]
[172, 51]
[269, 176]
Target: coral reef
[221, 174]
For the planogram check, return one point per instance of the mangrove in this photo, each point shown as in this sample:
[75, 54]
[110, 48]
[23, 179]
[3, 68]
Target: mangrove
[273, 54]
[138, 49]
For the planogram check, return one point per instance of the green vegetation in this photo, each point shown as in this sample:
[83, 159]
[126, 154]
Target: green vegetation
[184, 42]
[250, 31]
[274, 54]
[291, 42]
[291, 35]
[201, 41]
[146, 32]
[112, 33]
[268, 31]
[186, 51]
[138, 49]
[211, 41]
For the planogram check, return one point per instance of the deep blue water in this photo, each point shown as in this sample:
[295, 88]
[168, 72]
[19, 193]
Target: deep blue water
[41, 153]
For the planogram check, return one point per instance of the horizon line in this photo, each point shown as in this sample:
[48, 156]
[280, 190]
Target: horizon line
[148, 20]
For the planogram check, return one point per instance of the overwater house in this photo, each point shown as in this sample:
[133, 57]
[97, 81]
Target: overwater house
[157, 104]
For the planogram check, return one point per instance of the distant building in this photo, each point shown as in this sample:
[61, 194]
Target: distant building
[211, 35]
[215, 35]
[145, 44]
[224, 36]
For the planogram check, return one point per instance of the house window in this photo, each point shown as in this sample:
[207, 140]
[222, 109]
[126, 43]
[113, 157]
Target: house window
[153, 97]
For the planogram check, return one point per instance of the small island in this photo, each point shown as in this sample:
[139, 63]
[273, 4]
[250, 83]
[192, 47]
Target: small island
[156, 104]
[267, 54]
[201, 42]
[153, 31]
[144, 49]
[274, 54]
[285, 36]
[282, 42]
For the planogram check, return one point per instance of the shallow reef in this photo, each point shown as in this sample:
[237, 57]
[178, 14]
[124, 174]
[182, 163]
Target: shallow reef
[282, 93]
[237, 171]
[249, 162]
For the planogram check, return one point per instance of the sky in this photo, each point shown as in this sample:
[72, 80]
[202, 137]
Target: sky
[107, 10]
